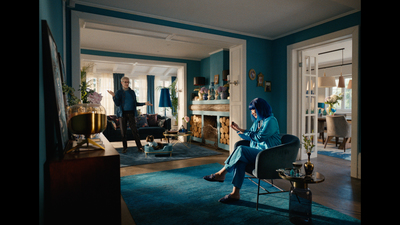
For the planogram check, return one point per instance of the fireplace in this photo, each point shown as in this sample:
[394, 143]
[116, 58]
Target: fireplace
[210, 122]
[210, 130]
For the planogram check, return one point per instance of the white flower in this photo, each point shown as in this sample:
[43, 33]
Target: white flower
[94, 98]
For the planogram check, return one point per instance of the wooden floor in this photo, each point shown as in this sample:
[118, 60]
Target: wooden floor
[339, 191]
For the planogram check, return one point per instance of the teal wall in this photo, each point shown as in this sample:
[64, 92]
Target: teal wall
[51, 11]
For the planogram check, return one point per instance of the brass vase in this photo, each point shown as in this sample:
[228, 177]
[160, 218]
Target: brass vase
[308, 166]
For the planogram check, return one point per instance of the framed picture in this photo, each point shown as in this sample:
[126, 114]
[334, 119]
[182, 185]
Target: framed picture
[260, 80]
[216, 79]
[54, 97]
[267, 87]
[252, 74]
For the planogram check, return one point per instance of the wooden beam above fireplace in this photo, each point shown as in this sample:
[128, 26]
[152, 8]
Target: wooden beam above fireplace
[214, 107]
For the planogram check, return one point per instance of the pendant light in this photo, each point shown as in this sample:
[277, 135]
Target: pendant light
[326, 82]
[350, 85]
[341, 78]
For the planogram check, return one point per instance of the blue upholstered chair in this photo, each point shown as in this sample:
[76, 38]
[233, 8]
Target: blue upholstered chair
[269, 160]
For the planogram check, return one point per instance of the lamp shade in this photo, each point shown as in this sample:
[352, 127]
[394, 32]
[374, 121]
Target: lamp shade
[198, 81]
[225, 74]
[326, 82]
[341, 81]
[165, 98]
[350, 85]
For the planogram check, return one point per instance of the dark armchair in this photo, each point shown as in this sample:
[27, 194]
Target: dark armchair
[269, 160]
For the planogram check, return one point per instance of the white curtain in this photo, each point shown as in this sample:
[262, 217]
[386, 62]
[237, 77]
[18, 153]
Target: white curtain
[101, 82]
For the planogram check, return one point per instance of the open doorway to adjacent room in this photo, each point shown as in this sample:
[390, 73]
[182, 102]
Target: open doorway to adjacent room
[333, 54]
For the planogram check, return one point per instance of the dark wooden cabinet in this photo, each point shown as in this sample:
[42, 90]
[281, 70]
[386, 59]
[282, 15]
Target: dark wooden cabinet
[84, 187]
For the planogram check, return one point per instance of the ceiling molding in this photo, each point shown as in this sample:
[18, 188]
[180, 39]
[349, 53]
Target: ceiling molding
[169, 19]
[342, 2]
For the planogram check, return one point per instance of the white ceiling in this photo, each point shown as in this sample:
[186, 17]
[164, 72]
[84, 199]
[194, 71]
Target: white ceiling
[267, 19]
[262, 18]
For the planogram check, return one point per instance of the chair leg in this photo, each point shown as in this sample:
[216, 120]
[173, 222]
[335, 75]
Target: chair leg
[258, 193]
[327, 140]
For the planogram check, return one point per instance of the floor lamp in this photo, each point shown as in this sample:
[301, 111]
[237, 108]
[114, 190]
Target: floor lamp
[165, 99]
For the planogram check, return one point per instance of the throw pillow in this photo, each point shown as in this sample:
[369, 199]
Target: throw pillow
[141, 121]
[152, 120]
[161, 122]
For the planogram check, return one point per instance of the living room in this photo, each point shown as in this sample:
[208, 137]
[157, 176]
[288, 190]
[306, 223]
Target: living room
[268, 56]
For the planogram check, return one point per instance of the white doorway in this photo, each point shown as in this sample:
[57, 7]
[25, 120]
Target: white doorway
[80, 20]
[295, 114]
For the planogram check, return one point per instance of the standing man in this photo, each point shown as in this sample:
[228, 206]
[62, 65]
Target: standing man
[125, 99]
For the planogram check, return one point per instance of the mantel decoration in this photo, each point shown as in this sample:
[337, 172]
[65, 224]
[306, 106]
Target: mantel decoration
[222, 92]
[203, 93]
[332, 100]
[308, 145]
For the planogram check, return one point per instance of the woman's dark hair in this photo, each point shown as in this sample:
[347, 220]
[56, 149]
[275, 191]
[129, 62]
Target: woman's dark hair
[262, 108]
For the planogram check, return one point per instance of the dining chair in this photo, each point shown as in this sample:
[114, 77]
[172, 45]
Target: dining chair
[337, 126]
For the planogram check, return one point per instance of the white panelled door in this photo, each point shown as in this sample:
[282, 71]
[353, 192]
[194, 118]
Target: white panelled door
[237, 111]
[309, 100]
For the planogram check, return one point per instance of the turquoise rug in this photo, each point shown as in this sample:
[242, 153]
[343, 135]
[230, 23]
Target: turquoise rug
[182, 196]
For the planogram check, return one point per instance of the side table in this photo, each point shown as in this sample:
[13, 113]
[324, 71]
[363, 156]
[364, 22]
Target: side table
[189, 133]
[300, 196]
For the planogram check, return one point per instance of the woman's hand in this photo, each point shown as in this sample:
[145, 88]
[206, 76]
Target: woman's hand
[148, 103]
[237, 128]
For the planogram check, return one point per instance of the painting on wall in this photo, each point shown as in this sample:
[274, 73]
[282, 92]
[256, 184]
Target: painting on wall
[252, 74]
[54, 97]
[267, 87]
[216, 79]
[260, 80]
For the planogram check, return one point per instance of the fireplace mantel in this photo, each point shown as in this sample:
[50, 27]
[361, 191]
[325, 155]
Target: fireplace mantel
[210, 107]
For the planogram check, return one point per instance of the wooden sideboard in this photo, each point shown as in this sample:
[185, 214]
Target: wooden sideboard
[84, 187]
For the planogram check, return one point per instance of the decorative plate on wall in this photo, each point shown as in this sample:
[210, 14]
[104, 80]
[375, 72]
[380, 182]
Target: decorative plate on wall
[252, 74]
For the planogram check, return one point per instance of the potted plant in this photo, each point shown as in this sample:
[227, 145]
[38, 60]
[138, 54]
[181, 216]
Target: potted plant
[308, 145]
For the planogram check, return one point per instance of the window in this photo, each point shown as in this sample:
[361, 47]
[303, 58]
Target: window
[344, 104]
[101, 82]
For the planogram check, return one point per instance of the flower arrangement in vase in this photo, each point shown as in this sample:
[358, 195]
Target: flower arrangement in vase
[222, 91]
[203, 93]
[332, 100]
[186, 120]
[308, 145]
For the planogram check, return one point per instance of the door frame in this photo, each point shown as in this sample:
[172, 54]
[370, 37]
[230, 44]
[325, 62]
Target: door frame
[77, 19]
[292, 87]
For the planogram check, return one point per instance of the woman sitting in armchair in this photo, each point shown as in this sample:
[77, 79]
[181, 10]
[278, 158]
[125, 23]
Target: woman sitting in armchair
[263, 134]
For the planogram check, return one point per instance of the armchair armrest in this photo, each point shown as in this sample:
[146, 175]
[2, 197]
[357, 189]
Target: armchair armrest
[280, 156]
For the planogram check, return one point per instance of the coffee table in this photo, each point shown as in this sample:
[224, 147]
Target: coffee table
[188, 134]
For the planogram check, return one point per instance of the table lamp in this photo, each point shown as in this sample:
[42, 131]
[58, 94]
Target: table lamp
[321, 105]
[165, 99]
